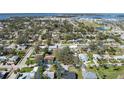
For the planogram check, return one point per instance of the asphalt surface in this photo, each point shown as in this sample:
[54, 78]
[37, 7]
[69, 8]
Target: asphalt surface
[21, 63]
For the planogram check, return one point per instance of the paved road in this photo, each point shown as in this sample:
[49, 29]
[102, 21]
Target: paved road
[83, 68]
[29, 52]
[72, 22]
[22, 63]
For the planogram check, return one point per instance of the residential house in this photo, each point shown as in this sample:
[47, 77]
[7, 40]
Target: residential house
[1, 26]
[49, 74]
[3, 58]
[119, 57]
[52, 47]
[13, 59]
[69, 75]
[122, 36]
[73, 46]
[48, 67]
[35, 69]
[65, 66]
[96, 57]
[2, 74]
[49, 58]
[42, 46]
[28, 75]
[83, 57]
[12, 46]
[89, 75]
[21, 47]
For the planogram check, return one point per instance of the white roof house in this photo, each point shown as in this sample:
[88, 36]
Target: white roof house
[35, 69]
[1, 27]
[12, 46]
[107, 57]
[122, 36]
[52, 47]
[21, 47]
[49, 74]
[121, 46]
[42, 47]
[29, 75]
[14, 58]
[49, 47]
[96, 56]
[119, 57]
[65, 66]
[73, 46]
[83, 57]
[3, 58]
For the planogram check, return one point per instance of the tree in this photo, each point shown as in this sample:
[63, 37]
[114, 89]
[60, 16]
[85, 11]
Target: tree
[21, 54]
[37, 49]
[90, 55]
[45, 50]
[38, 58]
[1, 50]
[48, 42]
[65, 56]
[93, 46]
[23, 38]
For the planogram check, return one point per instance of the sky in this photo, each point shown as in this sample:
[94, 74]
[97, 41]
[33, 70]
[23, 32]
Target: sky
[58, 6]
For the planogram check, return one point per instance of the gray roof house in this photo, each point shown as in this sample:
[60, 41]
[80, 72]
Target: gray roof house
[2, 74]
[69, 75]
[89, 75]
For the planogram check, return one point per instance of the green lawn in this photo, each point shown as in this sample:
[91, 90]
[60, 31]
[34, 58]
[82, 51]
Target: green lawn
[114, 61]
[108, 73]
[30, 61]
[90, 63]
[111, 72]
[53, 68]
[26, 69]
[77, 71]
[3, 69]
[20, 53]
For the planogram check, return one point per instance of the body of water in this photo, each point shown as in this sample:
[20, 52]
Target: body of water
[97, 15]
[8, 15]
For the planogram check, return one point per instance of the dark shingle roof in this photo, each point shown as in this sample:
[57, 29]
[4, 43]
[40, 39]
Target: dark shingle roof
[69, 75]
